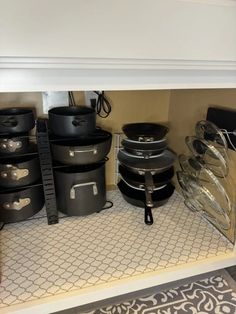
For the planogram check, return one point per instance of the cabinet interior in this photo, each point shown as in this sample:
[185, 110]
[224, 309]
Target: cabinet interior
[180, 110]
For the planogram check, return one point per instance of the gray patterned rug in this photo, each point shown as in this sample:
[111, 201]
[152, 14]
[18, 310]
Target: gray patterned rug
[208, 296]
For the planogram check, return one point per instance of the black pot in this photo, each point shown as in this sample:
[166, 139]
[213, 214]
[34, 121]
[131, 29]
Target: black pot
[21, 204]
[16, 172]
[81, 190]
[145, 132]
[75, 121]
[16, 120]
[12, 145]
[83, 151]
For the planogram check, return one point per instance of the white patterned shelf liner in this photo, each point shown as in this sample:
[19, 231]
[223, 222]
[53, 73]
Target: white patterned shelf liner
[38, 260]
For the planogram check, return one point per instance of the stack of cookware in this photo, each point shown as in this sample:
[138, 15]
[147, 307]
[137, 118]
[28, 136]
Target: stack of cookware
[80, 150]
[146, 167]
[21, 194]
[203, 175]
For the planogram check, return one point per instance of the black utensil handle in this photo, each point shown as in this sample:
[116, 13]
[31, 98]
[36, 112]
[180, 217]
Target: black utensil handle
[9, 122]
[148, 218]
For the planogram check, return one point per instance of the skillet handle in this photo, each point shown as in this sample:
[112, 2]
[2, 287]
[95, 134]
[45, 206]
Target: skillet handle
[149, 184]
[148, 218]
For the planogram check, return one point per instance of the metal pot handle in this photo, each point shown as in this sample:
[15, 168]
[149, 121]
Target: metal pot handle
[10, 145]
[72, 151]
[17, 205]
[14, 173]
[79, 185]
[9, 122]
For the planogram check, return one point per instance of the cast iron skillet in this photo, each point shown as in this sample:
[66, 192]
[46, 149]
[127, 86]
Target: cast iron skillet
[138, 198]
[16, 120]
[145, 132]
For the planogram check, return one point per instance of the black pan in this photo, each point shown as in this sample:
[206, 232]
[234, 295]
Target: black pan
[12, 145]
[83, 151]
[140, 149]
[16, 120]
[19, 171]
[74, 121]
[138, 198]
[138, 180]
[145, 132]
[21, 204]
[154, 164]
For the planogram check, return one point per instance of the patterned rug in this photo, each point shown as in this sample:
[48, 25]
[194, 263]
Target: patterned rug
[208, 296]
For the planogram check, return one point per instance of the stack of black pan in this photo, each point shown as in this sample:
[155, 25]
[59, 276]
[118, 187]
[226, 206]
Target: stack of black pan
[21, 194]
[80, 149]
[146, 167]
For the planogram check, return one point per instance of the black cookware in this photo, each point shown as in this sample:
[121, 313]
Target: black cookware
[12, 145]
[145, 132]
[83, 151]
[19, 171]
[80, 190]
[137, 180]
[154, 164]
[138, 198]
[141, 149]
[16, 120]
[21, 204]
[74, 121]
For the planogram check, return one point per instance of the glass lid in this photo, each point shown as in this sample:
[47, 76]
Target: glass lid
[205, 177]
[209, 131]
[210, 156]
[200, 199]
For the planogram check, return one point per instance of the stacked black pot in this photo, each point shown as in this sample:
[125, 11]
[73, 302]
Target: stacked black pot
[21, 194]
[146, 167]
[79, 150]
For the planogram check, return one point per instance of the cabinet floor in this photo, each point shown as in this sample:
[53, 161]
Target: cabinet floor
[39, 261]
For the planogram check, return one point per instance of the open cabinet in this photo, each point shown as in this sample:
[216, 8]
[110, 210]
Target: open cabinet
[47, 268]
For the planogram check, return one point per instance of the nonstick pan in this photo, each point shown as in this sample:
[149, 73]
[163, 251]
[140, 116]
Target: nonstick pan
[138, 198]
[83, 151]
[145, 132]
[154, 164]
[16, 120]
[138, 180]
[144, 148]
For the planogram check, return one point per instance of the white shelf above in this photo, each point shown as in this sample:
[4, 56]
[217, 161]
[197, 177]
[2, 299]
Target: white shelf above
[85, 259]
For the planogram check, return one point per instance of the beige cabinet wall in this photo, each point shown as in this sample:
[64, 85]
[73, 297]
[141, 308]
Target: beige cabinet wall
[127, 106]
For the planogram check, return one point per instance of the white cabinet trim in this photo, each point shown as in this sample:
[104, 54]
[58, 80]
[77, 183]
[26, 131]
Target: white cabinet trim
[58, 74]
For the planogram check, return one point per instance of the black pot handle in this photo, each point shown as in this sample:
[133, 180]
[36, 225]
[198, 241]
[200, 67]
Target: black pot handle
[79, 122]
[10, 122]
[148, 218]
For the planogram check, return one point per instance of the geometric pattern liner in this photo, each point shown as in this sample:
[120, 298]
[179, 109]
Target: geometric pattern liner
[38, 260]
[209, 296]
